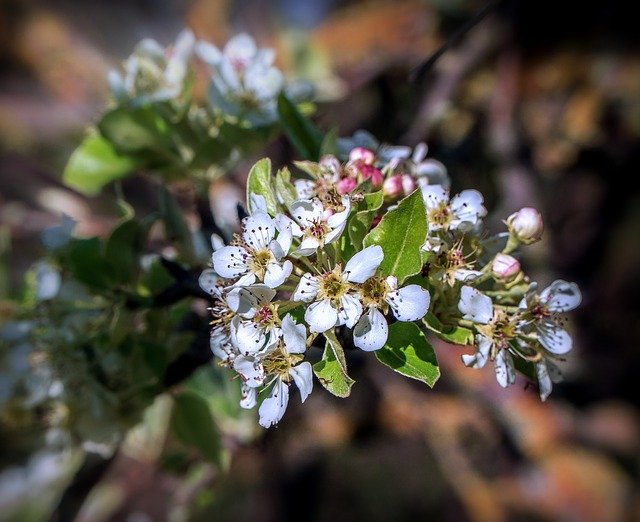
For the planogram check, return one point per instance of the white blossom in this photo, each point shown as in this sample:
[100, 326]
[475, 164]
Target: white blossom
[317, 226]
[462, 213]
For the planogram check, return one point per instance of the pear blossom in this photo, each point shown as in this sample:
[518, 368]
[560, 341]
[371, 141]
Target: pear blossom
[541, 311]
[260, 325]
[450, 264]
[332, 297]
[259, 253]
[409, 303]
[153, 74]
[462, 213]
[317, 226]
[245, 83]
[425, 171]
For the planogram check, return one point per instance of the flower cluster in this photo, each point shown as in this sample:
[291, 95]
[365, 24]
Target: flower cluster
[329, 265]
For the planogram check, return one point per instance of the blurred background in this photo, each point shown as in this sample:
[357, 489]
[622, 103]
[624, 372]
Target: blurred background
[538, 105]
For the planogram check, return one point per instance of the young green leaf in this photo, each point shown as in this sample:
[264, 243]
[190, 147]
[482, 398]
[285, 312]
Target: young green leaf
[193, 424]
[285, 191]
[174, 222]
[331, 371]
[401, 233]
[450, 334]
[408, 352]
[259, 182]
[94, 164]
[135, 130]
[123, 249]
[300, 130]
[88, 264]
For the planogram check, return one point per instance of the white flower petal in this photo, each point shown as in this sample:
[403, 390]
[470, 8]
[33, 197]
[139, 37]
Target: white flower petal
[284, 236]
[247, 337]
[464, 275]
[295, 335]
[505, 370]
[480, 358]
[307, 289]
[249, 396]
[410, 303]
[475, 306]
[364, 264]
[241, 48]
[250, 369]
[264, 83]
[320, 316]
[544, 380]
[258, 230]
[230, 261]
[208, 53]
[371, 332]
[303, 377]
[467, 207]
[277, 274]
[273, 407]
[306, 211]
[350, 310]
[339, 219]
[216, 242]
[308, 246]
[561, 296]
[554, 339]
[257, 203]
[433, 195]
[305, 188]
[208, 280]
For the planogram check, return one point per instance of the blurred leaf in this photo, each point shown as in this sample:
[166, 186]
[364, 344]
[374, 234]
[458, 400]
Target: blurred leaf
[88, 264]
[360, 222]
[408, 352]
[123, 249]
[174, 222]
[193, 424]
[136, 129]
[331, 371]
[285, 190]
[329, 143]
[259, 182]
[210, 152]
[94, 164]
[450, 334]
[303, 134]
[401, 233]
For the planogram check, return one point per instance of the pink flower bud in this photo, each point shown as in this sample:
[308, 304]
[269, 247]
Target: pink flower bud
[360, 154]
[505, 267]
[392, 187]
[370, 172]
[408, 184]
[526, 225]
[346, 185]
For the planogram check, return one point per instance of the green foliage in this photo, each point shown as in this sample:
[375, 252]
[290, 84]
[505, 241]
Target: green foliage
[259, 182]
[303, 134]
[135, 130]
[331, 370]
[89, 265]
[96, 163]
[193, 424]
[408, 352]
[401, 233]
[284, 189]
[448, 333]
[123, 250]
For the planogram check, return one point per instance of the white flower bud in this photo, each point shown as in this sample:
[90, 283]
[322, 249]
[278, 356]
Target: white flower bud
[526, 225]
[505, 267]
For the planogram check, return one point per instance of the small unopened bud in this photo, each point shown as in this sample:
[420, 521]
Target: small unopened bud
[505, 267]
[392, 187]
[346, 185]
[362, 155]
[526, 225]
[372, 173]
[408, 184]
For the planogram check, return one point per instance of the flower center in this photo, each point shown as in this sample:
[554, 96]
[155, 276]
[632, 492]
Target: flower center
[279, 363]
[259, 260]
[374, 291]
[332, 285]
[439, 215]
[318, 229]
[267, 316]
[501, 329]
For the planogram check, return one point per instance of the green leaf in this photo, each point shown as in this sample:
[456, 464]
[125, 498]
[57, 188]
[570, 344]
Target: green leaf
[401, 233]
[448, 333]
[123, 249]
[408, 352]
[526, 368]
[174, 222]
[193, 424]
[360, 222]
[136, 129]
[259, 182]
[88, 264]
[331, 371]
[94, 164]
[285, 190]
[330, 143]
[300, 130]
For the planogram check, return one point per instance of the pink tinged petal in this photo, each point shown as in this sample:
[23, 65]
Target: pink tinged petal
[248, 338]
[207, 281]
[433, 195]
[277, 274]
[371, 332]
[249, 396]
[305, 211]
[475, 306]
[545, 385]
[295, 335]
[258, 230]
[467, 207]
[505, 370]
[561, 296]
[230, 261]
[307, 289]
[302, 376]
[250, 370]
[409, 303]
[308, 246]
[554, 339]
[364, 264]
[273, 407]
[480, 358]
[350, 311]
[320, 316]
